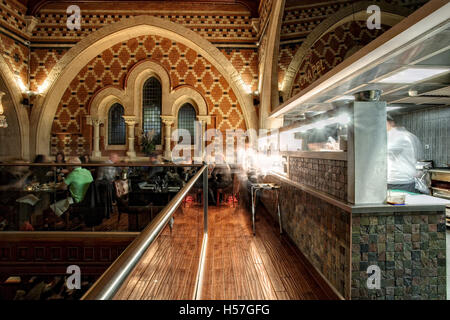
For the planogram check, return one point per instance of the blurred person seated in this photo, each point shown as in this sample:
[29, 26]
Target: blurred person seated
[184, 172]
[12, 182]
[85, 159]
[220, 177]
[15, 177]
[154, 159]
[109, 173]
[41, 174]
[60, 170]
[78, 180]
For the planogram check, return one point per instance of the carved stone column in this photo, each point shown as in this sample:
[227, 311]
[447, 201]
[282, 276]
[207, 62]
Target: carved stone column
[168, 122]
[3, 123]
[204, 120]
[131, 122]
[96, 123]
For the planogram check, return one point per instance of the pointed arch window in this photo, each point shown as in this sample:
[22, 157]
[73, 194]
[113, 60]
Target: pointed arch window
[116, 127]
[152, 104]
[186, 120]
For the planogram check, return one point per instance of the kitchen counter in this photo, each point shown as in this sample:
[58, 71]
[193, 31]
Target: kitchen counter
[413, 203]
[342, 240]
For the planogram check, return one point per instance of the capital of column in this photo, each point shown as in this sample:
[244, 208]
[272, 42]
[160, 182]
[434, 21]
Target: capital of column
[130, 120]
[204, 119]
[94, 121]
[31, 23]
[168, 120]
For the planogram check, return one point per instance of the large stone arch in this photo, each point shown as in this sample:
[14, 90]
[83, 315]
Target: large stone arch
[74, 60]
[23, 121]
[390, 15]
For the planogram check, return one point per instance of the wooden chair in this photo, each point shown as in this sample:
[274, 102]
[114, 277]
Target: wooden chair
[124, 207]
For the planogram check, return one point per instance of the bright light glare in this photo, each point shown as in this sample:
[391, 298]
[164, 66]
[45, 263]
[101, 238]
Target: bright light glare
[343, 119]
[411, 75]
[43, 87]
[391, 108]
[267, 163]
[21, 85]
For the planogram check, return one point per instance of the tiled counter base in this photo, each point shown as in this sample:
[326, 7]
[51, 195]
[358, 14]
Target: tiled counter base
[408, 247]
[319, 229]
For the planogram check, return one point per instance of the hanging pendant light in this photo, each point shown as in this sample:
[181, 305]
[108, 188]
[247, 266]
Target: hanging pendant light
[3, 123]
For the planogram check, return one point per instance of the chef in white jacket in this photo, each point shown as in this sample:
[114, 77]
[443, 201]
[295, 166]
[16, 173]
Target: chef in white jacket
[404, 150]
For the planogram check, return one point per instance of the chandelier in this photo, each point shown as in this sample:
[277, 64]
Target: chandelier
[3, 123]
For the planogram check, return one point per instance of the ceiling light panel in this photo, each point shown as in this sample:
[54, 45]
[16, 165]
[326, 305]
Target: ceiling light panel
[413, 74]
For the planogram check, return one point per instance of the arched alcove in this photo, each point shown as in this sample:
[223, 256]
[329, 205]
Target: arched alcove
[70, 65]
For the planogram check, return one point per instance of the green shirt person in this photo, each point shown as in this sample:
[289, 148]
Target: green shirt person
[78, 181]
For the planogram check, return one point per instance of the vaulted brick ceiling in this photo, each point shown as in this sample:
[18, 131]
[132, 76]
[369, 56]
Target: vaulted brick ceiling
[252, 5]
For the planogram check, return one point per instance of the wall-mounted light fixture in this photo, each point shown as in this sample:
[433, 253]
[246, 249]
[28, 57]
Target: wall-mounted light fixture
[3, 123]
[256, 100]
[280, 96]
[27, 92]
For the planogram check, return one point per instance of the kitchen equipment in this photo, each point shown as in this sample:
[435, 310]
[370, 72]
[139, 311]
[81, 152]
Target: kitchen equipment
[440, 184]
[396, 199]
[368, 95]
[341, 103]
[310, 114]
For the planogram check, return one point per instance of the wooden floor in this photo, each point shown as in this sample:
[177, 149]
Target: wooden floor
[110, 225]
[169, 267]
[238, 265]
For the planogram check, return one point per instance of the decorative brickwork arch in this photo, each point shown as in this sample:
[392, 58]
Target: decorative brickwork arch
[131, 97]
[185, 94]
[89, 48]
[105, 98]
[390, 15]
[14, 91]
[136, 79]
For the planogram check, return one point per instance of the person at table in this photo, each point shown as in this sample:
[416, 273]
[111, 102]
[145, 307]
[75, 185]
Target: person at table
[404, 149]
[154, 171]
[85, 159]
[38, 173]
[78, 180]
[61, 171]
[14, 178]
[109, 173]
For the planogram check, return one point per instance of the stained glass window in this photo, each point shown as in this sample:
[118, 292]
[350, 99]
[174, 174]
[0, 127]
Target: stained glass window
[151, 113]
[117, 128]
[186, 120]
